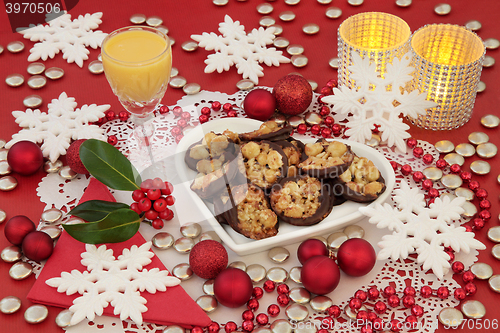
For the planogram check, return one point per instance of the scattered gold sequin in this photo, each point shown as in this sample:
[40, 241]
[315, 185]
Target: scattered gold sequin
[191, 88]
[473, 309]
[295, 274]
[335, 240]
[189, 46]
[207, 303]
[281, 326]
[491, 43]
[489, 61]
[320, 303]
[403, 3]
[473, 25]
[95, 67]
[138, 18]
[154, 21]
[292, 2]
[50, 167]
[310, 29]
[281, 42]
[238, 264]
[53, 231]
[277, 274]
[444, 146]
[481, 87]
[163, 29]
[37, 82]
[279, 254]
[11, 254]
[177, 81]
[312, 118]
[374, 141]
[36, 314]
[465, 149]
[487, 150]
[300, 295]
[54, 73]
[220, 2]
[162, 240]
[183, 244]
[287, 16]
[66, 173]
[256, 272]
[433, 173]
[314, 84]
[464, 193]
[208, 287]
[245, 84]
[20, 270]
[278, 29]
[494, 283]
[354, 231]
[352, 314]
[63, 319]
[32, 101]
[451, 181]
[480, 167]
[490, 121]
[174, 72]
[3, 154]
[14, 80]
[324, 2]
[3, 215]
[334, 63]
[265, 8]
[333, 12]
[478, 138]
[442, 9]
[355, 2]
[481, 270]
[15, 47]
[182, 271]
[454, 158]
[36, 68]
[10, 304]
[296, 312]
[8, 183]
[494, 234]
[450, 317]
[267, 21]
[295, 49]
[5, 168]
[299, 60]
[469, 209]
[51, 215]
[191, 230]
[495, 251]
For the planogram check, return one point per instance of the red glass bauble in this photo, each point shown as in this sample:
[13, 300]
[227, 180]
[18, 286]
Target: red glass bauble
[247, 326]
[257, 292]
[247, 315]
[17, 228]
[273, 310]
[320, 275]
[208, 258]
[293, 94]
[253, 304]
[25, 157]
[334, 311]
[262, 319]
[356, 257]
[283, 299]
[73, 157]
[380, 307]
[269, 286]
[37, 246]
[233, 287]
[214, 327]
[259, 104]
[230, 327]
[310, 248]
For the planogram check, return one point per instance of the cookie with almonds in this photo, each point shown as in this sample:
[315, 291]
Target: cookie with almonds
[295, 153]
[326, 159]
[269, 130]
[213, 146]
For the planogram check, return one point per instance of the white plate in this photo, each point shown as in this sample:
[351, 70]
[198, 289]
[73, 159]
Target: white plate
[342, 215]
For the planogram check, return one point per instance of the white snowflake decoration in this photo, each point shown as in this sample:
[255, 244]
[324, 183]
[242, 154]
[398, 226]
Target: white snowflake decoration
[379, 101]
[113, 281]
[59, 126]
[421, 230]
[72, 37]
[235, 47]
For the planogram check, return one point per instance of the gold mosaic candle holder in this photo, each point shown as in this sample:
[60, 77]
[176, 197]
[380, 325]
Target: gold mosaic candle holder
[379, 36]
[448, 60]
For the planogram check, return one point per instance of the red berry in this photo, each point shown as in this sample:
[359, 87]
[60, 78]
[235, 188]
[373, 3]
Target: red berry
[135, 207]
[154, 193]
[151, 214]
[166, 214]
[112, 140]
[160, 204]
[144, 204]
[138, 195]
[157, 224]
[146, 185]
[203, 118]
[110, 115]
[216, 106]
[158, 183]
[206, 111]
[168, 189]
[164, 109]
[170, 200]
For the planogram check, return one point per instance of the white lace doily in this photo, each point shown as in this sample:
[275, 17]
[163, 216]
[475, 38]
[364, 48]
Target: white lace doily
[59, 193]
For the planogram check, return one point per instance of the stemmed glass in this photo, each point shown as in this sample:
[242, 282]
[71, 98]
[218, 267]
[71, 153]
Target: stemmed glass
[137, 62]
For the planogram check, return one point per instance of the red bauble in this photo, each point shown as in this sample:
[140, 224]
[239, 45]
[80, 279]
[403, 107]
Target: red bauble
[320, 275]
[259, 104]
[208, 258]
[310, 248]
[17, 228]
[293, 94]
[25, 157]
[37, 246]
[356, 257]
[233, 287]
[73, 157]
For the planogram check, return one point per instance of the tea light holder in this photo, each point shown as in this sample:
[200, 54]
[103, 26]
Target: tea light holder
[379, 36]
[448, 60]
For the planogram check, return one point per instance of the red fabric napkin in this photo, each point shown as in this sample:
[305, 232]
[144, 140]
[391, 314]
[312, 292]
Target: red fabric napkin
[172, 307]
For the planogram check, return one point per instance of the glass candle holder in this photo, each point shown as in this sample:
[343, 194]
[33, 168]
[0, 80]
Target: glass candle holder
[448, 60]
[379, 36]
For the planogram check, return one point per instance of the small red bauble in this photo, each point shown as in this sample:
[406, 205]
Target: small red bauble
[315, 129]
[332, 83]
[427, 184]
[326, 132]
[216, 105]
[178, 138]
[283, 299]
[418, 176]
[418, 152]
[362, 295]
[466, 176]
[411, 142]
[326, 91]
[356, 257]
[182, 123]
[371, 316]
[470, 288]
[441, 164]
[411, 322]
[302, 129]
[310, 248]
[329, 121]
[206, 110]
[273, 310]
[37, 246]
[124, 115]
[110, 115]
[213, 327]
[233, 287]
[112, 140]
[259, 104]
[336, 129]
[197, 329]
[186, 115]
[324, 111]
[474, 185]
[455, 168]
[227, 107]
[163, 109]
[410, 291]
[230, 327]
[406, 169]
[247, 326]
[362, 316]
[247, 315]
[262, 319]
[320, 275]
[269, 286]
[25, 157]
[396, 325]
[459, 294]
[366, 329]
[203, 118]
[380, 307]
[408, 301]
[481, 193]
[328, 322]
[232, 113]
[417, 311]
[208, 258]
[293, 94]
[378, 323]
[468, 276]
[177, 111]
[373, 293]
[389, 291]
[355, 304]
[427, 159]
[457, 267]
[17, 228]
[334, 311]
[257, 292]
[253, 304]
[443, 292]
[283, 289]
[393, 301]
[176, 131]
[484, 204]
[433, 193]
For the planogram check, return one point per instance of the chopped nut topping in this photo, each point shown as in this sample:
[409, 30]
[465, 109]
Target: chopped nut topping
[362, 176]
[325, 154]
[297, 199]
[263, 164]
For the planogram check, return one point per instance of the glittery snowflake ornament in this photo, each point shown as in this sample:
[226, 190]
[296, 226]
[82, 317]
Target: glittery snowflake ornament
[379, 101]
[237, 48]
[72, 37]
[422, 230]
[62, 123]
[112, 281]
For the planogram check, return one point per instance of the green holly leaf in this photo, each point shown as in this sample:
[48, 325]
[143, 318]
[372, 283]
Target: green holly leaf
[96, 210]
[108, 165]
[118, 226]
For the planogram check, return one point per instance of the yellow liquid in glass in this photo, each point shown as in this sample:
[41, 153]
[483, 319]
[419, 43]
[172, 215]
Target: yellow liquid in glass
[137, 64]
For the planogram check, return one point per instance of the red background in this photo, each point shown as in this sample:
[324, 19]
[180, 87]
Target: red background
[184, 18]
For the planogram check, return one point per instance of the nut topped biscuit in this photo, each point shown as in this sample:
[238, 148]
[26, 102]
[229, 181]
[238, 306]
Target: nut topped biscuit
[265, 163]
[326, 159]
[269, 130]
[362, 181]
